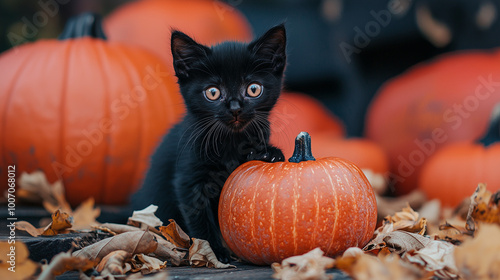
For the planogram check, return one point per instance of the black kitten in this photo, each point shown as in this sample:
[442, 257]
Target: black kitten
[229, 91]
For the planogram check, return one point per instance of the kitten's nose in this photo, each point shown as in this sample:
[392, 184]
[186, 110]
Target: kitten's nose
[234, 107]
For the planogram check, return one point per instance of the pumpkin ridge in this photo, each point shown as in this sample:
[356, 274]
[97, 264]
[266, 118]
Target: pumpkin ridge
[336, 203]
[10, 91]
[101, 53]
[353, 197]
[254, 240]
[64, 97]
[294, 209]
[273, 206]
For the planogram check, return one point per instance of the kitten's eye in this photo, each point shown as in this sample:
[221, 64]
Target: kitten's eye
[212, 93]
[254, 90]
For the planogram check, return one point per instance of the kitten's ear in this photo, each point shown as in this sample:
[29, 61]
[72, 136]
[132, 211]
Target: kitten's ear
[272, 46]
[185, 52]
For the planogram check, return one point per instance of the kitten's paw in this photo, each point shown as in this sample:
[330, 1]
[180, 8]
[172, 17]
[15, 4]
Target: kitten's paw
[222, 254]
[271, 154]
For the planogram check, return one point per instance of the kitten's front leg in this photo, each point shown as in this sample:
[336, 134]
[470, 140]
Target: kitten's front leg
[268, 154]
[196, 203]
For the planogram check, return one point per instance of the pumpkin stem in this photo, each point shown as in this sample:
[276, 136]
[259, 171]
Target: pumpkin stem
[86, 24]
[493, 133]
[302, 150]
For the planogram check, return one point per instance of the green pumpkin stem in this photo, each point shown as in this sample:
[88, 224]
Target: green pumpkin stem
[302, 150]
[83, 25]
[493, 133]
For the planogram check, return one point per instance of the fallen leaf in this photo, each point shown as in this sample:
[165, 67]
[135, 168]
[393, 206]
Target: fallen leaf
[147, 264]
[170, 252]
[114, 263]
[201, 254]
[29, 228]
[398, 242]
[311, 265]
[15, 264]
[145, 218]
[173, 233]
[454, 234]
[437, 257]
[63, 262]
[407, 220]
[165, 250]
[61, 222]
[85, 215]
[484, 207]
[53, 194]
[134, 242]
[479, 258]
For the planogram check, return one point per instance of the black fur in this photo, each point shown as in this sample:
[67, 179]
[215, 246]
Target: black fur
[197, 155]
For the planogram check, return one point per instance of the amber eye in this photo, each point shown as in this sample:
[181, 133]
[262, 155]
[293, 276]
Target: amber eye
[254, 90]
[212, 93]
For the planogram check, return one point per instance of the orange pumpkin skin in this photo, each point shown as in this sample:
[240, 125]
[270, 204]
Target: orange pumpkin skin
[430, 106]
[271, 211]
[295, 112]
[85, 111]
[148, 24]
[452, 174]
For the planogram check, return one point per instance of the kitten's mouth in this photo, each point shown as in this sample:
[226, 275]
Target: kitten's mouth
[237, 124]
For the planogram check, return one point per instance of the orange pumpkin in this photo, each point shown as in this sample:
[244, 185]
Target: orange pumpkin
[148, 23]
[453, 173]
[430, 106]
[296, 112]
[84, 110]
[271, 211]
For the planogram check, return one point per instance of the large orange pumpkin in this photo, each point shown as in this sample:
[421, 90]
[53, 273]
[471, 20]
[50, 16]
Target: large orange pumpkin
[84, 110]
[296, 112]
[432, 105]
[453, 173]
[148, 24]
[271, 211]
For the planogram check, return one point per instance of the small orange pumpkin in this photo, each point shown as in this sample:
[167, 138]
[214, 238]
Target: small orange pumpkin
[453, 173]
[84, 110]
[148, 24]
[271, 211]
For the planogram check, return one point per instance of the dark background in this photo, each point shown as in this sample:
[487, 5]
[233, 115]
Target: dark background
[384, 36]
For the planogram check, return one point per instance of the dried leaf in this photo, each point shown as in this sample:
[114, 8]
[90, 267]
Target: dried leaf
[398, 242]
[114, 263]
[164, 251]
[484, 207]
[479, 258]
[14, 261]
[145, 218]
[37, 184]
[63, 262]
[201, 254]
[311, 265]
[135, 242]
[85, 215]
[23, 225]
[147, 264]
[116, 228]
[437, 256]
[454, 234]
[175, 234]
[61, 222]
[168, 251]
